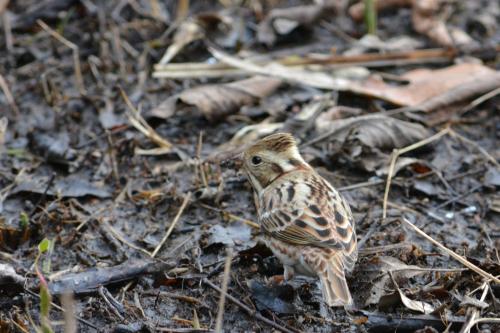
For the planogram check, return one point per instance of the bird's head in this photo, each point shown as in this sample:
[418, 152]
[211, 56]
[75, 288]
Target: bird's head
[271, 157]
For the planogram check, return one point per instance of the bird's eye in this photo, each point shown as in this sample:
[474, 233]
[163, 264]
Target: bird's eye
[256, 160]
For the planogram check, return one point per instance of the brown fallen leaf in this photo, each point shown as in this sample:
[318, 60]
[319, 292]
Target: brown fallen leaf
[217, 101]
[382, 269]
[377, 131]
[366, 141]
[426, 83]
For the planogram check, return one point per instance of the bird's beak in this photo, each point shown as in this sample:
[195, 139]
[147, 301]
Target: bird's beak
[234, 161]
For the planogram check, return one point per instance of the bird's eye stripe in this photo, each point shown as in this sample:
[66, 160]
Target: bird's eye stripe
[291, 192]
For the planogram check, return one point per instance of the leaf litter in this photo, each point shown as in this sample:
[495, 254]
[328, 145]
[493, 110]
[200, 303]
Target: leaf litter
[129, 164]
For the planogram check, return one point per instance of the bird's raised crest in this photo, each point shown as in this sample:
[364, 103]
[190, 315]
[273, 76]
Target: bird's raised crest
[279, 142]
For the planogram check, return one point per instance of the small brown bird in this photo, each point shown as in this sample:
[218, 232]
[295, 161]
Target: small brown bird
[304, 221]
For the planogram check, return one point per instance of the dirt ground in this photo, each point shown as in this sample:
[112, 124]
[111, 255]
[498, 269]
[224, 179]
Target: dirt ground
[120, 203]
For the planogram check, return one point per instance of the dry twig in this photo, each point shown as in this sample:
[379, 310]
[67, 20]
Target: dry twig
[471, 320]
[76, 54]
[172, 225]
[8, 95]
[397, 152]
[248, 310]
[142, 126]
[225, 282]
[455, 256]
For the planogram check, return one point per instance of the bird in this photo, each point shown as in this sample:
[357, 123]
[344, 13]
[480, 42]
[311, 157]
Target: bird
[303, 219]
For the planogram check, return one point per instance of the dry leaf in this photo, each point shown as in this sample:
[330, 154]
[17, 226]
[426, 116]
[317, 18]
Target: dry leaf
[416, 305]
[425, 83]
[216, 101]
[362, 140]
[426, 21]
[380, 271]
[376, 131]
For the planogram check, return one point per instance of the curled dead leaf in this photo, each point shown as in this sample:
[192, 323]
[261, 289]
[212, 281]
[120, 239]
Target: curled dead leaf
[217, 101]
[418, 306]
[426, 84]
[376, 131]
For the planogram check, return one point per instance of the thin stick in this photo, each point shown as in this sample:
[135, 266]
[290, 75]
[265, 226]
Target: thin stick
[231, 216]
[359, 185]
[8, 95]
[455, 256]
[172, 225]
[142, 126]
[122, 239]
[397, 152]
[480, 100]
[475, 145]
[471, 321]
[248, 310]
[81, 320]
[225, 282]
[76, 54]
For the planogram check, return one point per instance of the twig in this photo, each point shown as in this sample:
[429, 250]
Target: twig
[68, 303]
[76, 54]
[231, 216]
[396, 153]
[172, 225]
[475, 145]
[184, 298]
[102, 292]
[122, 239]
[8, 95]
[182, 330]
[81, 320]
[44, 195]
[142, 126]
[248, 310]
[480, 100]
[225, 282]
[471, 320]
[359, 185]
[7, 28]
[455, 256]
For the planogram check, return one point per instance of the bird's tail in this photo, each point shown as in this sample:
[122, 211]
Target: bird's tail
[333, 283]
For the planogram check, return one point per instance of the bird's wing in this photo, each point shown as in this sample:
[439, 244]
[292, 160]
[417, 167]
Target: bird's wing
[310, 212]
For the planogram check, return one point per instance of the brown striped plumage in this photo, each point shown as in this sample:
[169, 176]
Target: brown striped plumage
[304, 220]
